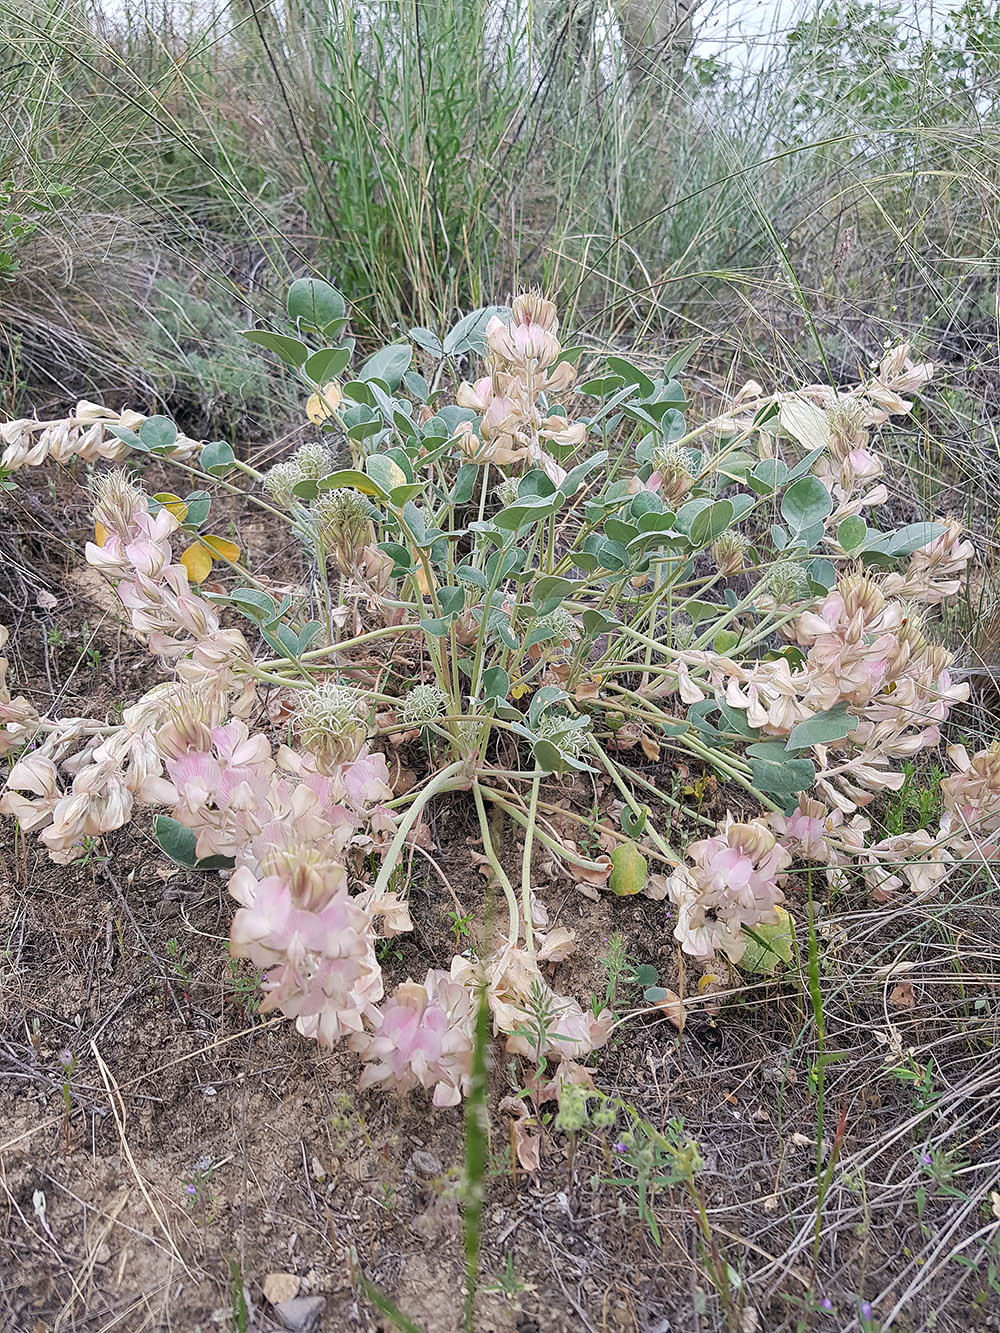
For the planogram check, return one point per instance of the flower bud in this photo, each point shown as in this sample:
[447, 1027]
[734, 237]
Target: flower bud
[787, 582]
[423, 703]
[728, 552]
[329, 723]
[314, 461]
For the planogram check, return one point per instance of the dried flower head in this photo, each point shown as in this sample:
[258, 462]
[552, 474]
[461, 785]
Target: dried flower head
[117, 499]
[672, 475]
[424, 703]
[330, 724]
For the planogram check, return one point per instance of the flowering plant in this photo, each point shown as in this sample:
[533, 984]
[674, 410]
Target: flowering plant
[569, 576]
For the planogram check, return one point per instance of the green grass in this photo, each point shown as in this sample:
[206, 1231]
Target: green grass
[164, 179]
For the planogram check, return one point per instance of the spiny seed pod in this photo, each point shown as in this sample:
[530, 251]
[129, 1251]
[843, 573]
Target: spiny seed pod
[673, 465]
[344, 524]
[424, 703]
[506, 492]
[329, 724]
[314, 460]
[728, 552]
[557, 729]
[681, 636]
[560, 622]
[280, 479]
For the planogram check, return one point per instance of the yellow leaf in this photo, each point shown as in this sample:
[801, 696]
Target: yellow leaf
[100, 534]
[519, 691]
[322, 405]
[424, 583]
[173, 503]
[198, 563]
[223, 549]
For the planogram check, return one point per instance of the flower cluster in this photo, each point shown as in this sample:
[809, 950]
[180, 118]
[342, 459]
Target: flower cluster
[732, 882]
[84, 434]
[523, 359]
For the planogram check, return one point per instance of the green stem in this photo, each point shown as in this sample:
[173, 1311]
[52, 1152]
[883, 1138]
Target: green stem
[497, 868]
[446, 780]
[529, 938]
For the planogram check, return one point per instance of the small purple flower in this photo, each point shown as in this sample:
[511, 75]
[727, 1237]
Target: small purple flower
[866, 1309]
[621, 1147]
[189, 1189]
[926, 1158]
[826, 1303]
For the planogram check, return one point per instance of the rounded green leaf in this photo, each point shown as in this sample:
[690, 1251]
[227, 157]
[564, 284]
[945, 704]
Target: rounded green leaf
[315, 302]
[806, 503]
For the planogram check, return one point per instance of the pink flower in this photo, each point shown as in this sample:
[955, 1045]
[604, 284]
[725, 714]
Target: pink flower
[316, 944]
[424, 1035]
[732, 883]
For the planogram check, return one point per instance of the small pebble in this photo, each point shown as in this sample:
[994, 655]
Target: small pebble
[280, 1287]
[426, 1164]
[300, 1315]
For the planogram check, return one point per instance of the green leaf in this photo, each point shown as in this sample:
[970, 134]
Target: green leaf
[774, 772]
[769, 945]
[469, 334]
[198, 506]
[629, 870]
[389, 364]
[357, 481]
[128, 437]
[315, 302]
[806, 503]
[904, 541]
[576, 476]
[529, 511]
[496, 683]
[770, 473]
[327, 364]
[428, 341]
[158, 433]
[289, 350]
[415, 384]
[631, 375]
[632, 823]
[852, 532]
[550, 590]
[465, 484]
[833, 724]
[711, 522]
[217, 457]
[179, 843]
[603, 386]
